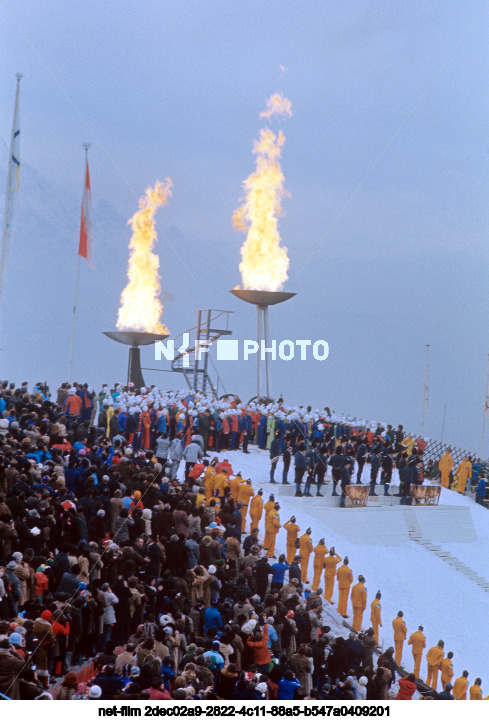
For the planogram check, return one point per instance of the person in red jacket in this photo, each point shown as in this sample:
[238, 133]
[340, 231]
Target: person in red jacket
[73, 404]
[407, 686]
[258, 642]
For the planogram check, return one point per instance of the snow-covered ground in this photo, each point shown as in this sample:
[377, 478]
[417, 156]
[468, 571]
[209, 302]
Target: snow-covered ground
[428, 591]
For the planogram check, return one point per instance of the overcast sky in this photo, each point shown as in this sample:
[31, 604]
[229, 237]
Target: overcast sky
[386, 161]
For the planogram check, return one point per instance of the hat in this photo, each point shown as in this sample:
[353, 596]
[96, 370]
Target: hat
[137, 495]
[46, 615]
[270, 619]
[12, 565]
[82, 586]
[15, 639]
[261, 687]
[191, 648]
[95, 692]
[212, 569]
[290, 614]
[33, 513]
[135, 671]
[101, 513]
[104, 587]
[17, 556]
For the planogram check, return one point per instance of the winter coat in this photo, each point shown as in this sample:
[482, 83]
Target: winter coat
[162, 446]
[175, 452]
[43, 631]
[10, 666]
[193, 453]
[261, 654]
[109, 613]
[406, 689]
[226, 684]
[181, 522]
[122, 526]
[193, 552]
[382, 685]
[302, 666]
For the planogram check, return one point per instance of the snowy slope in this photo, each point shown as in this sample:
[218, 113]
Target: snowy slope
[411, 579]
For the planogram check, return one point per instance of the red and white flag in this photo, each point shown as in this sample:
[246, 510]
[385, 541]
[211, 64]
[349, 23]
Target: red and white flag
[85, 245]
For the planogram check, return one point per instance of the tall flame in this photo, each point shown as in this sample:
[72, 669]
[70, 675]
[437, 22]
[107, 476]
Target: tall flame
[264, 263]
[140, 307]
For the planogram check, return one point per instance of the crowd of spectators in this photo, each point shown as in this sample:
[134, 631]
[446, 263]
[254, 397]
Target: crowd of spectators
[112, 550]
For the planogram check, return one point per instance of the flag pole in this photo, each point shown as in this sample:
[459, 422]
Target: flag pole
[86, 147]
[486, 399]
[425, 389]
[6, 228]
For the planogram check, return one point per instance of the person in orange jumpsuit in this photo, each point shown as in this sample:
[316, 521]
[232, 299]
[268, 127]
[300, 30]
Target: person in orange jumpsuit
[359, 602]
[434, 657]
[292, 534]
[375, 615]
[464, 472]
[400, 633]
[319, 553]
[245, 493]
[446, 670]
[272, 525]
[459, 690]
[445, 465]
[268, 508]
[305, 550]
[145, 425]
[475, 691]
[418, 642]
[234, 484]
[209, 476]
[221, 481]
[345, 579]
[330, 563]
[256, 509]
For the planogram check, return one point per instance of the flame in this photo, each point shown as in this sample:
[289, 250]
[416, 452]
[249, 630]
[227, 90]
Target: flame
[277, 105]
[140, 307]
[264, 263]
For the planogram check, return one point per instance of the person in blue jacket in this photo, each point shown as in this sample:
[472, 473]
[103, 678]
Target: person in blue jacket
[287, 687]
[246, 428]
[279, 570]
[262, 429]
[212, 617]
[480, 491]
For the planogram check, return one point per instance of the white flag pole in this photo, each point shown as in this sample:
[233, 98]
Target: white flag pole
[6, 216]
[86, 147]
